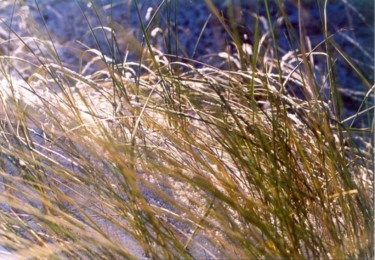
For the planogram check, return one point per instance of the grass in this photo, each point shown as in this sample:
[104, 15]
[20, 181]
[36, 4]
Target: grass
[168, 157]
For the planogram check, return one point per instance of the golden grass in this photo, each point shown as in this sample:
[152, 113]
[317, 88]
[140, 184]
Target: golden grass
[181, 161]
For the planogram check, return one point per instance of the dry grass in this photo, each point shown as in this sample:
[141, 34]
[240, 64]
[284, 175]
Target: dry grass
[175, 159]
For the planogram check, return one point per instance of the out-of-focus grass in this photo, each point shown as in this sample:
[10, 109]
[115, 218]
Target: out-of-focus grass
[175, 159]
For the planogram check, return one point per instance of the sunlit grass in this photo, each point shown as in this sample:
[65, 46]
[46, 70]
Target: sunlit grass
[174, 158]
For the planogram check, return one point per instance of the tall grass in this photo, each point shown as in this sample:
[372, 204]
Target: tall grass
[174, 158]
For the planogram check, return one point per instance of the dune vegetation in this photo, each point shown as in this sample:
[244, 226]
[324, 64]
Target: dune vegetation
[169, 157]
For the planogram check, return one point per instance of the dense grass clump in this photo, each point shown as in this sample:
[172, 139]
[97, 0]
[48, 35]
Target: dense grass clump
[169, 157]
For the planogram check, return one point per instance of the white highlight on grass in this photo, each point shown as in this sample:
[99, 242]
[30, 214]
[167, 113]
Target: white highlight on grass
[148, 13]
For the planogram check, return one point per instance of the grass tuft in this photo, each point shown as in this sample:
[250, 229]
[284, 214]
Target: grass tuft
[171, 157]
